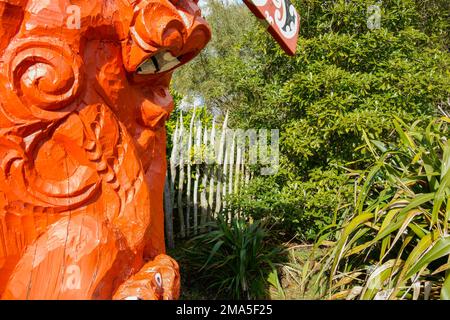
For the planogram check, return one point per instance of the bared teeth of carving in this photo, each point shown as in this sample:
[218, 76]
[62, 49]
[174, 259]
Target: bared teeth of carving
[148, 67]
[167, 61]
[161, 62]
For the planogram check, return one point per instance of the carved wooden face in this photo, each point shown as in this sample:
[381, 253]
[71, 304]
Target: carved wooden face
[119, 53]
[64, 62]
[83, 101]
[84, 95]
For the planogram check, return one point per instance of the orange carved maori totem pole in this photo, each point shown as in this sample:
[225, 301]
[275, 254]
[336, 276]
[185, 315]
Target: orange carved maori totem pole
[82, 145]
[83, 102]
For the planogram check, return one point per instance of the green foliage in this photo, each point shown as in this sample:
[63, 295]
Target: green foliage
[235, 259]
[344, 80]
[201, 113]
[212, 74]
[396, 245]
[292, 211]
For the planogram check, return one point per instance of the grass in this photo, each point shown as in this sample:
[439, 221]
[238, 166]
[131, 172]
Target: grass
[295, 284]
[396, 243]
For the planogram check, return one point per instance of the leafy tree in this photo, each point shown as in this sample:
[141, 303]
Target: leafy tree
[345, 79]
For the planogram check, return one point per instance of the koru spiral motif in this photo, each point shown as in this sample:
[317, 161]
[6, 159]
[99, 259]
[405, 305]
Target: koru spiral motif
[82, 145]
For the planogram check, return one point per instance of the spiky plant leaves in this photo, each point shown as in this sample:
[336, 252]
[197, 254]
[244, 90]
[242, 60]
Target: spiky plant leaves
[398, 239]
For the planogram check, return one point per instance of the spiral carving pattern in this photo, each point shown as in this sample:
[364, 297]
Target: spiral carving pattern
[45, 74]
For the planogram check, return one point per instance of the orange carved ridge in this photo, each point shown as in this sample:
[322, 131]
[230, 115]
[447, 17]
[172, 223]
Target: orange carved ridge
[82, 145]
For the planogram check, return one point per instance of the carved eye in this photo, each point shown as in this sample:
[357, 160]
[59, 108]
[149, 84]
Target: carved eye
[160, 62]
[158, 279]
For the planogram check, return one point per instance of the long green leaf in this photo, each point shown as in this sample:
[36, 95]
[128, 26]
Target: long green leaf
[445, 291]
[439, 249]
[440, 196]
[213, 252]
[404, 137]
[378, 277]
[355, 223]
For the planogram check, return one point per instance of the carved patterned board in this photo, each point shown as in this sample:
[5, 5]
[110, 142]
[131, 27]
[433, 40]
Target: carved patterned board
[84, 96]
[282, 18]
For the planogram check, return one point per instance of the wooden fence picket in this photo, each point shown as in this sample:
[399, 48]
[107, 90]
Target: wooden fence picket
[215, 160]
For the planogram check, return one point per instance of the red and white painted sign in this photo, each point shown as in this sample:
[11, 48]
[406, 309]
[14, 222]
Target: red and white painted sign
[282, 18]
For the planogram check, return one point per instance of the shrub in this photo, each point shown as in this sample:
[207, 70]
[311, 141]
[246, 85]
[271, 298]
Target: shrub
[345, 79]
[295, 207]
[396, 245]
[235, 259]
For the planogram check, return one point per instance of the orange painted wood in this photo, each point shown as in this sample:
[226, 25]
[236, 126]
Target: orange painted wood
[84, 100]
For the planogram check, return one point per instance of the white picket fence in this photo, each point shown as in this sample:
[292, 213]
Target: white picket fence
[206, 164]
